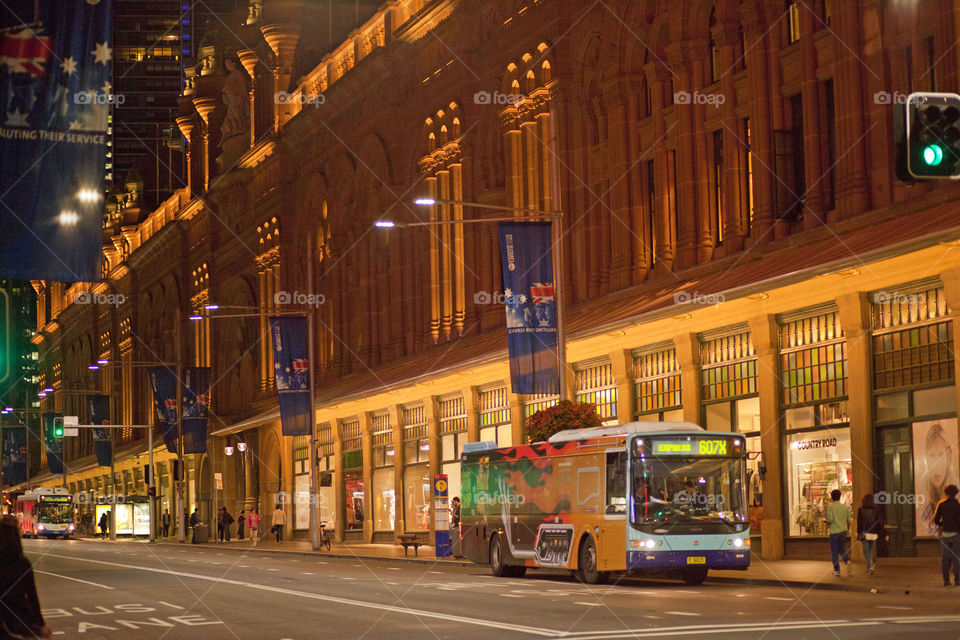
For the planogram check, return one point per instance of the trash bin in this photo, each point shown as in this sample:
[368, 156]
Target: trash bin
[201, 532]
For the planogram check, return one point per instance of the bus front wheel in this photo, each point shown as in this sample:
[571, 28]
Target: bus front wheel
[694, 576]
[587, 570]
[499, 569]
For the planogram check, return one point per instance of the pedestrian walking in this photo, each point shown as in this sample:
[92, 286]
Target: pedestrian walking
[19, 606]
[253, 524]
[103, 524]
[166, 523]
[227, 521]
[220, 520]
[947, 518]
[279, 519]
[870, 529]
[838, 519]
[194, 520]
[241, 520]
[455, 527]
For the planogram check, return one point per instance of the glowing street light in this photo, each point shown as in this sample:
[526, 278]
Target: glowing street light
[68, 218]
[88, 196]
[385, 224]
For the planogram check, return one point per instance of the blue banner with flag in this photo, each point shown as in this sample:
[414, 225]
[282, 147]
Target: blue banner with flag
[527, 257]
[52, 444]
[196, 406]
[14, 455]
[163, 381]
[55, 97]
[99, 409]
[292, 369]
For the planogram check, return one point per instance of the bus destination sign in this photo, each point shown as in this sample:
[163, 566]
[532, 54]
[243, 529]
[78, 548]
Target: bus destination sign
[56, 498]
[696, 447]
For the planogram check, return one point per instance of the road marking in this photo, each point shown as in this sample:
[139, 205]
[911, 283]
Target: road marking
[681, 613]
[890, 606]
[57, 575]
[780, 599]
[273, 569]
[436, 572]
[172, 606]
[393, 568]
[305, 573]
[589, 604]
[509, 595]
[420, 613]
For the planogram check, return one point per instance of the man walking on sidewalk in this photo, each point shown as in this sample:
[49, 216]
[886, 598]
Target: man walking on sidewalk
[279, 519]
[947, 517]
[838, 518]
[166, 523]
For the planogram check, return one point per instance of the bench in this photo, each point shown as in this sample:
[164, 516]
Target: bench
[410, 540]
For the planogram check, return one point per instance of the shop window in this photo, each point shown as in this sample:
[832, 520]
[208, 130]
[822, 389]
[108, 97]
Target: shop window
[418, 497]
[538, 402]
[416, 451]
[817, 463]
[935, 401]
[384, 500]
[354, 495]
[934, 467]
[414, 422]
[595, 385]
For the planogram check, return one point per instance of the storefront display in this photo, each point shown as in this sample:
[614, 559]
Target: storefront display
[934, 467]
[132, 518]
[384, 500]
[418, 494]
[817, 463]
[353, 481]
[301, 502]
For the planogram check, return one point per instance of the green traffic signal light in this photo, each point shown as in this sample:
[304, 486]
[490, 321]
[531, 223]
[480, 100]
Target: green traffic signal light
[932, 155]
[58, 431]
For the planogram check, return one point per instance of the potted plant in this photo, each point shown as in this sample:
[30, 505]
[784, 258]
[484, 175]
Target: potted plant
[564, 415]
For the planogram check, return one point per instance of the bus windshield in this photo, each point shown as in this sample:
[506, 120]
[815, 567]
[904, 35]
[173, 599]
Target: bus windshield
[55, 513]
[687, 491]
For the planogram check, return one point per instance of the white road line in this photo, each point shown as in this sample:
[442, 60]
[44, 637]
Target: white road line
[57, 575]
[780, 599]
[589, 604]
[420, 613]
[393, 568]
[890, 606]
[681, 613]
[509, 595]
[305, 573]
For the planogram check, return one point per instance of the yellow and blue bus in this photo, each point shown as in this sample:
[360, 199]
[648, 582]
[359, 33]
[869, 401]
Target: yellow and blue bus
[644, 497]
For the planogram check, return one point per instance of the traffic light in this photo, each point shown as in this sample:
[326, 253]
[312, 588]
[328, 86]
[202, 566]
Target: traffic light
[57, 429]
[931, 128]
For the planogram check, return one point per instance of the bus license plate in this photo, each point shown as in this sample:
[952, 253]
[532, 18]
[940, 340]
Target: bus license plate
[696, 560]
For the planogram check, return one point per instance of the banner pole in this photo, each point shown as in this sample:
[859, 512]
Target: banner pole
[183, 500]
[152, 495]
[311, 327]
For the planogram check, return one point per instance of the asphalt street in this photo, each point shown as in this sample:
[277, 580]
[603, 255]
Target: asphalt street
[117, 591]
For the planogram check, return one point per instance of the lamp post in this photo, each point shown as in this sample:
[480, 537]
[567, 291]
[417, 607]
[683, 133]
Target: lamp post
[532, 215]
[254, 312]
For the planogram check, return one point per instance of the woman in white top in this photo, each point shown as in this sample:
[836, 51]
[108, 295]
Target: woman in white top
[279, 519]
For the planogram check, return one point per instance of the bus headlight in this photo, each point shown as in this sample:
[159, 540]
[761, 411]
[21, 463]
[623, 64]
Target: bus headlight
[650, 544]
[39, 527]
[72, 528]
[738, 542]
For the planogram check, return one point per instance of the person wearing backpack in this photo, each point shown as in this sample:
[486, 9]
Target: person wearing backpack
[870, 529]
[947, 517]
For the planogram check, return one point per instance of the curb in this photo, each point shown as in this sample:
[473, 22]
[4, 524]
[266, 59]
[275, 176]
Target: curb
[827, 586]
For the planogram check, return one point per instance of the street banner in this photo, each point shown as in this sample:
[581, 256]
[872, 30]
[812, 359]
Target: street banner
[55, 99]
[163, 381]
[292, 368]
[196, 405]
[528, 293]
[99, 409]
[52, 445]
[14, 455]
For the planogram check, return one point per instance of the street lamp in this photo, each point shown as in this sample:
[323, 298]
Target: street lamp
[556, 222]
[255, 312]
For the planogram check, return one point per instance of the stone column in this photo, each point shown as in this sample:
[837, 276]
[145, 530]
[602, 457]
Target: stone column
[367, 444]
[399, 464]
[618, 126]
[736, 213]
[205, 106]
[763, 330]
[688, 357]
[471, 406]
[623, 375]
[855, 320]
[815, 178]
[432, 414]
[283, 39]
[853, 196]
[516, 418]
[951, 291]
[249, 61]
[678, 56]
[186, 127]
[665, 224]
[339, 482]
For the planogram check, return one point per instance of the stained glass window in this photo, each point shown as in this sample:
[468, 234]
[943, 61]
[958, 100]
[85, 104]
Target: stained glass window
[657, 375]
[596, 385]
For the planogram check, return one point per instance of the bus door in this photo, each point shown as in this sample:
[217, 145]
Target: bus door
[612, 545]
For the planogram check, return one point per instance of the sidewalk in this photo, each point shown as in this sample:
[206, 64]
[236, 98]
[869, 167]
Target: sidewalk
[898, 576]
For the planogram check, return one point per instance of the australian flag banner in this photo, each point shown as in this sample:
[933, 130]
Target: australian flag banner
[14, 455]
[53, 445]
[99, 408]
[163, 381]
[196, 405]
[527, 259]
[55, 97]
[292, 368]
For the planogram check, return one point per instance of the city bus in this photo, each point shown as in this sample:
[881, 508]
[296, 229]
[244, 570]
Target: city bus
[46, 512]
[644, 497]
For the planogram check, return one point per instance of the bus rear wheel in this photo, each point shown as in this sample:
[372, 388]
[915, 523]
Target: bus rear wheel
[587, 570]
[694, 576]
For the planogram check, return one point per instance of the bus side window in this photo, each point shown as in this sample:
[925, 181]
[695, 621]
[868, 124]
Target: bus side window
[616, 482]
